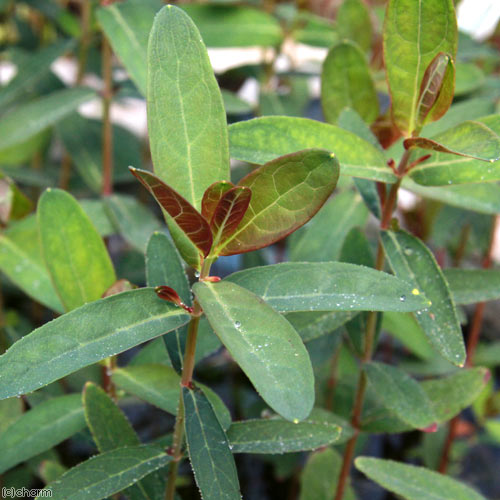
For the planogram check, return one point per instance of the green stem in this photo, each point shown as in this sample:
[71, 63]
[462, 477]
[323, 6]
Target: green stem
[107, 130]
[186, 381]
[370, 331]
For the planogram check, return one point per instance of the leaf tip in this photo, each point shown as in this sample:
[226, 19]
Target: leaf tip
[431, 428]
[415, 291]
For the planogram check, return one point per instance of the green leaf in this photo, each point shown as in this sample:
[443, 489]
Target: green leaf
[322, 239]
[127, 26]
[451, 394]
[276, 435]
[31, 71]
[469, 286]
[234, 105]
[346, 83]
[479, 138]
[414, 483]
[108, 425]
[436, 90]
[319, 478]
[159, 385]
[263, 343]
[185, 216]
[470, 139]
[186, 117]
[328, 286]
[26, 120]
[353, 22]
[22, 263]
[10, 410]
[286, 193]
[85, 336]
[262, 139]
[211, 459]
[414, 263]
[41, 428]
[134, 221]
[234, 25]
[107, 473]
[164, 267]
[82, 139]
[314, 30]
[468, 78]
[409, 48]
[483, 198]
[74, 253]
[111, 430]
[228, 213]
[401, 394]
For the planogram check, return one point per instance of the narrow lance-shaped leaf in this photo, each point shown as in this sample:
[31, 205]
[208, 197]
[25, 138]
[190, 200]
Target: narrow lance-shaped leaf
[262, 139]
[187, 218]
[346, 83]
[106, 474]
[41, 428]
[414, 483]
[328, 286]
[276, 435]
[410, 46]
[85, 336]
[436, 90]
[413, 262]
[470, 139]
[401, 394]
[263, 343]
[164, 267]
[74, 252]
[27, 120]
[286, 193]
[229, 212]
[477, 139]
[212, 196]
[186, 117]
[211, 459]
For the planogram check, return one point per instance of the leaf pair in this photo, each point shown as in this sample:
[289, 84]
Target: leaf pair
[267, 205]
[223, 207]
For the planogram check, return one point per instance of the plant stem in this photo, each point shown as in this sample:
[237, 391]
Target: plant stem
[107, 130]
[186, 381]
[473, 339]
[370, 331]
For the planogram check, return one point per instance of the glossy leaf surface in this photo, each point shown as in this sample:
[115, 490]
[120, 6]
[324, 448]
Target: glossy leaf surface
[107, 473]
[211, 459]
[469, 286]
[263, 343]
[478, 138]
[401, 394]
[84, 336]
[276, 435]
[41, 428]
[229, 212]
[186, 117]
[286, 193]
[414, 483]
[346, 83]
[186, 217]
[27, 120]
[262, 139]
[414, 33]
[328, 286]
[414, 263]
[74, 252]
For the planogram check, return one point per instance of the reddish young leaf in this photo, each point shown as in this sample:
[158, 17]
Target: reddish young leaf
[286, 193]
[170, 295]
[189, 220]
[229, 212]
[436, 89]
[212, 196]
[119, 286]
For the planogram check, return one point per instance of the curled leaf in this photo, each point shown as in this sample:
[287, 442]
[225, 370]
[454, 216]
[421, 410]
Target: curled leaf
[212, 196]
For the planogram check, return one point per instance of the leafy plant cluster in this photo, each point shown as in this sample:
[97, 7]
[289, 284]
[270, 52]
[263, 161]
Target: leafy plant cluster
[333, 330]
